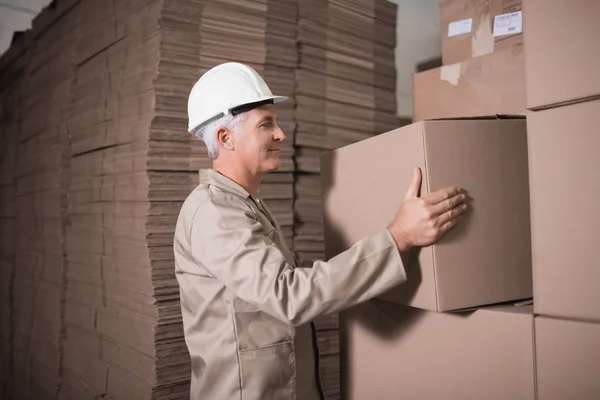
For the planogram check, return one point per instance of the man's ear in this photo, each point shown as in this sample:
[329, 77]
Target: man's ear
[225, 139]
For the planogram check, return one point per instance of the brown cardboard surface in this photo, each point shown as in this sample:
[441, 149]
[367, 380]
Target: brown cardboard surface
[394, 350]
[487, 259]
[567, 359]
[564, 160]
[486, 85]
[562, 52]
[480, 40]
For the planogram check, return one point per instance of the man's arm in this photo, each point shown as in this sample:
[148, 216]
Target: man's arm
[227, 240]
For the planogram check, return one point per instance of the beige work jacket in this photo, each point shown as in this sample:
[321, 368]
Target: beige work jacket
[247, 306]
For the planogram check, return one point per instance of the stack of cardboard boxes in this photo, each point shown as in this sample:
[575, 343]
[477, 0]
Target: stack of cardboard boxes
[12, 69]
[109, 296]
[267, 42]
[463, 326]
[345, 92]
[196, 38]
[483, 62]
[563, 90]
[409, 339]
[42, 160]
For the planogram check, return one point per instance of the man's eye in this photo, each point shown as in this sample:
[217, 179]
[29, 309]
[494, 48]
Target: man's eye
[267, 125]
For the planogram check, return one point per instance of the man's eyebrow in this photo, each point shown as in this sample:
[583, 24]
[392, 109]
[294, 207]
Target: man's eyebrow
[268, 118]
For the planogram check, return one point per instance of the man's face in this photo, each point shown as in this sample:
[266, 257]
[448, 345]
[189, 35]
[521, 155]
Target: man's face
[259, 141]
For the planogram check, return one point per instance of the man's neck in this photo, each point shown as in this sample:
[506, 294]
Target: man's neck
[241, 176]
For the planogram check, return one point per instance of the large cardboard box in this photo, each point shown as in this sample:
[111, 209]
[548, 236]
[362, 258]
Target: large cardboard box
[564, 160]
[562, 51]
[487, 259]
[486, 85]
[567, 359]
[398, 352]
[473, 28]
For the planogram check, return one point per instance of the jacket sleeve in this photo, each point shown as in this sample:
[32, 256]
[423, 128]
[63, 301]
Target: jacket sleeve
[227, 239]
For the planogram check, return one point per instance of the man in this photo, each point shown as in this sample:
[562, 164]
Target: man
[246, 305]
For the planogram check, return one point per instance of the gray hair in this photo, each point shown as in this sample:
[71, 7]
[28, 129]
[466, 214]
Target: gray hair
[208, 132]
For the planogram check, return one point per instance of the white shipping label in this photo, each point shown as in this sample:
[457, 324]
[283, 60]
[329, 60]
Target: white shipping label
[508, 24]
[460, 27]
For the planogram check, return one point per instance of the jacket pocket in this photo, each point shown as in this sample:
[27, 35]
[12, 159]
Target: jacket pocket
[257, 329]
[268, 373]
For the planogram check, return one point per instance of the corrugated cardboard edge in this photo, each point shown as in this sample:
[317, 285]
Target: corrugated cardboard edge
[562, 103]
[520, 303]
[535, 380]
[425, 177]
[479, 117]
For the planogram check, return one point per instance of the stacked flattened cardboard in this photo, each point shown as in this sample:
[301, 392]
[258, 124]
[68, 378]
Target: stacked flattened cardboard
[117, 338]
[12, 73]
[194, 37]
[42, 160]
[200, 35]
[345, 92]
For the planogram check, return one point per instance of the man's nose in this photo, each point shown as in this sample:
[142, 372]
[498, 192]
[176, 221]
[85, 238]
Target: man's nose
[279, 135]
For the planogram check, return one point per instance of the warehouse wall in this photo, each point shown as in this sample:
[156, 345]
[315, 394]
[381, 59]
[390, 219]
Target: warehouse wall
[417, 41]
[16, 15]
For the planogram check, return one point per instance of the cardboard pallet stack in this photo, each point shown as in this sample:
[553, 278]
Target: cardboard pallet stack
[103, 162]
[563, 92]
[121, 340]
[345, 92]
[194, 38]
[12, 71]
[215, 37]
[42, 159]
[202, 35]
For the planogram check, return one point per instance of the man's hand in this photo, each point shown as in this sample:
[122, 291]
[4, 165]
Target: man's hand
[421, 221]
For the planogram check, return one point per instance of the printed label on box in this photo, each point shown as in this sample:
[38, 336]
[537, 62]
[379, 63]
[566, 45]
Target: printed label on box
[508, 24]
[460, 27]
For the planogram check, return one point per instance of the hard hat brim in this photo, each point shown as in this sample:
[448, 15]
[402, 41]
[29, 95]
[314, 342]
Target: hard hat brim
[274, 99]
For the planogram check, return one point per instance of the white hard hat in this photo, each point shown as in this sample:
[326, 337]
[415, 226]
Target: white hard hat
[227, 88]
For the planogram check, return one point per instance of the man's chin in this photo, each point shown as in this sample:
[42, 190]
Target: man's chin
[273, 166]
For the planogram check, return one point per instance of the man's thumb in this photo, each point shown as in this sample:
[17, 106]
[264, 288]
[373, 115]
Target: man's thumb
[414, 185]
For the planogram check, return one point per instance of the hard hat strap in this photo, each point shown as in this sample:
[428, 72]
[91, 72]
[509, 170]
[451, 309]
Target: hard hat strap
[247, 107]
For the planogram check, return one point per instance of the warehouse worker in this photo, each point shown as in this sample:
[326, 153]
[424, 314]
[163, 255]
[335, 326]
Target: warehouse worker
[247, 307]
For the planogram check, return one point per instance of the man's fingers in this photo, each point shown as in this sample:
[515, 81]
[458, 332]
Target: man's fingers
[449, 204]
[442, 194]
[451, 215]
[414, 185]
[448, 226]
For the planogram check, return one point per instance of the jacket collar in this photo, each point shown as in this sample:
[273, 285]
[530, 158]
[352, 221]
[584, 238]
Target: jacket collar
[212, 177]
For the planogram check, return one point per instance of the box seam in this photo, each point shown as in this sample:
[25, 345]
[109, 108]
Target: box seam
[426, 173]
[535, 382]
